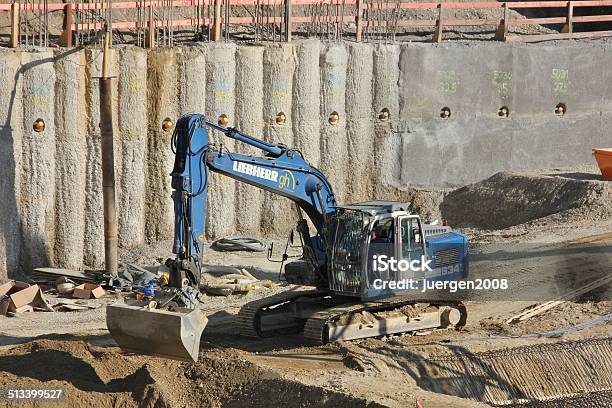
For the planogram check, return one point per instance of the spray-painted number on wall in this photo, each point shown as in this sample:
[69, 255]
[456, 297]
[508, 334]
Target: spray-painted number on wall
[280, 91]
[334, 89]
[135, 82]
[560, 80]
[502, 80]
[219, 184]
[224, 90]
[448, 81]
[38, 97]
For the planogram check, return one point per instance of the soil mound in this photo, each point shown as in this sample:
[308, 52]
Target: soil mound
[508, 198]
[102, 376]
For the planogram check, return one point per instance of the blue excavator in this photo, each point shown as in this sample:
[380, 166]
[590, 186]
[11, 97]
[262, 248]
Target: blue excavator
[361, 274]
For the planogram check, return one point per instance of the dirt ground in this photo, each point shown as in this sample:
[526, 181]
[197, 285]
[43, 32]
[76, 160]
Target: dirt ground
[542, 256]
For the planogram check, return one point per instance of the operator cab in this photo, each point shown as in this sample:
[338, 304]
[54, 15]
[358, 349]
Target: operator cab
[381, 241]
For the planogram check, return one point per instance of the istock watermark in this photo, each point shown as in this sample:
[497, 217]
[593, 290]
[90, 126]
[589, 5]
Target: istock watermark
[384, 263]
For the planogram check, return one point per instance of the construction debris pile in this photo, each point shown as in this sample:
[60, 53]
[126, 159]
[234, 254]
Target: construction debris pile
[76, 290]
[19, 297]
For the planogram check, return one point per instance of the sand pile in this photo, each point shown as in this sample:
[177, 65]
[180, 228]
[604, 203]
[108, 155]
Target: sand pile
[510, 198]
[101, 376]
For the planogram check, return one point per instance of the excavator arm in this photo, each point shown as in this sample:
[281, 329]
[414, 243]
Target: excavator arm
[175, 333]
[281, 170]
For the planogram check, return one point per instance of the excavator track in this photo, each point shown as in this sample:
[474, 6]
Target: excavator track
[348, 321]
[249, 316]
[320, 328]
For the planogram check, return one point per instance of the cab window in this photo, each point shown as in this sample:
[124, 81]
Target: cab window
[411, 246]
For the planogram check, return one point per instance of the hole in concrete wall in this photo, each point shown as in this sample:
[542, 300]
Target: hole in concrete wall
[384, 115]
[333, 118]
[445, 112]
[167, 124]
[503, 112]
[560, 109]
[281, 118]
[39, 125]
[223, 120]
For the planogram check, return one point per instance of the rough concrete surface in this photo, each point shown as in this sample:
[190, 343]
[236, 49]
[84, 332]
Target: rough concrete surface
[307, 99]
[38, 161]
[387, 142]
[10, 154]
[249, 120]
[162, 75]
[475, 142]
[70, 167]
[51, 181]
[132, 141]
[279, 67]
[220, 89]
[334, 161]
[360, 128]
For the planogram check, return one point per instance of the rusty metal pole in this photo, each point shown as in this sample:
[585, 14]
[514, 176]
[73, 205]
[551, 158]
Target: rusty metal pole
[108, 164]
[288, 16]
[65, 39]
[359, 21]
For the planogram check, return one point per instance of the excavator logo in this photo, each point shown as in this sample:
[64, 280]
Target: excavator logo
[286, 181]
[255, 171]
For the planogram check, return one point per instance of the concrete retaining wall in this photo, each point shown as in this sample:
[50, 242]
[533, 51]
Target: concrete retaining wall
[51, 183]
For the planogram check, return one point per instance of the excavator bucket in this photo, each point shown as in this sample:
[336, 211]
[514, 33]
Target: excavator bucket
[156, 332]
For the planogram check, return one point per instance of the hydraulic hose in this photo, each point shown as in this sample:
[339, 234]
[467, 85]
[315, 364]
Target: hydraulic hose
[239, 243]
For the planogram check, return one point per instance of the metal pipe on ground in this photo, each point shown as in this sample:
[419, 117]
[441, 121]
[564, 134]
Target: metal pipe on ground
[108, 165]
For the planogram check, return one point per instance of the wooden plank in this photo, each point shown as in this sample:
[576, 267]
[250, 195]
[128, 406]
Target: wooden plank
[311, 2]
[541, 308]
[594, 3]
[551, 37]
[14, 41]
[437, 37]
[536, 4]
[592, 19]
[150, 39]
[408, 23]
[65, 39]
[299, 20]
[475, 22]
[128, 5]
[502, 30]
[217, 22]
[568, 26]
[534, 21]
[54, 273]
